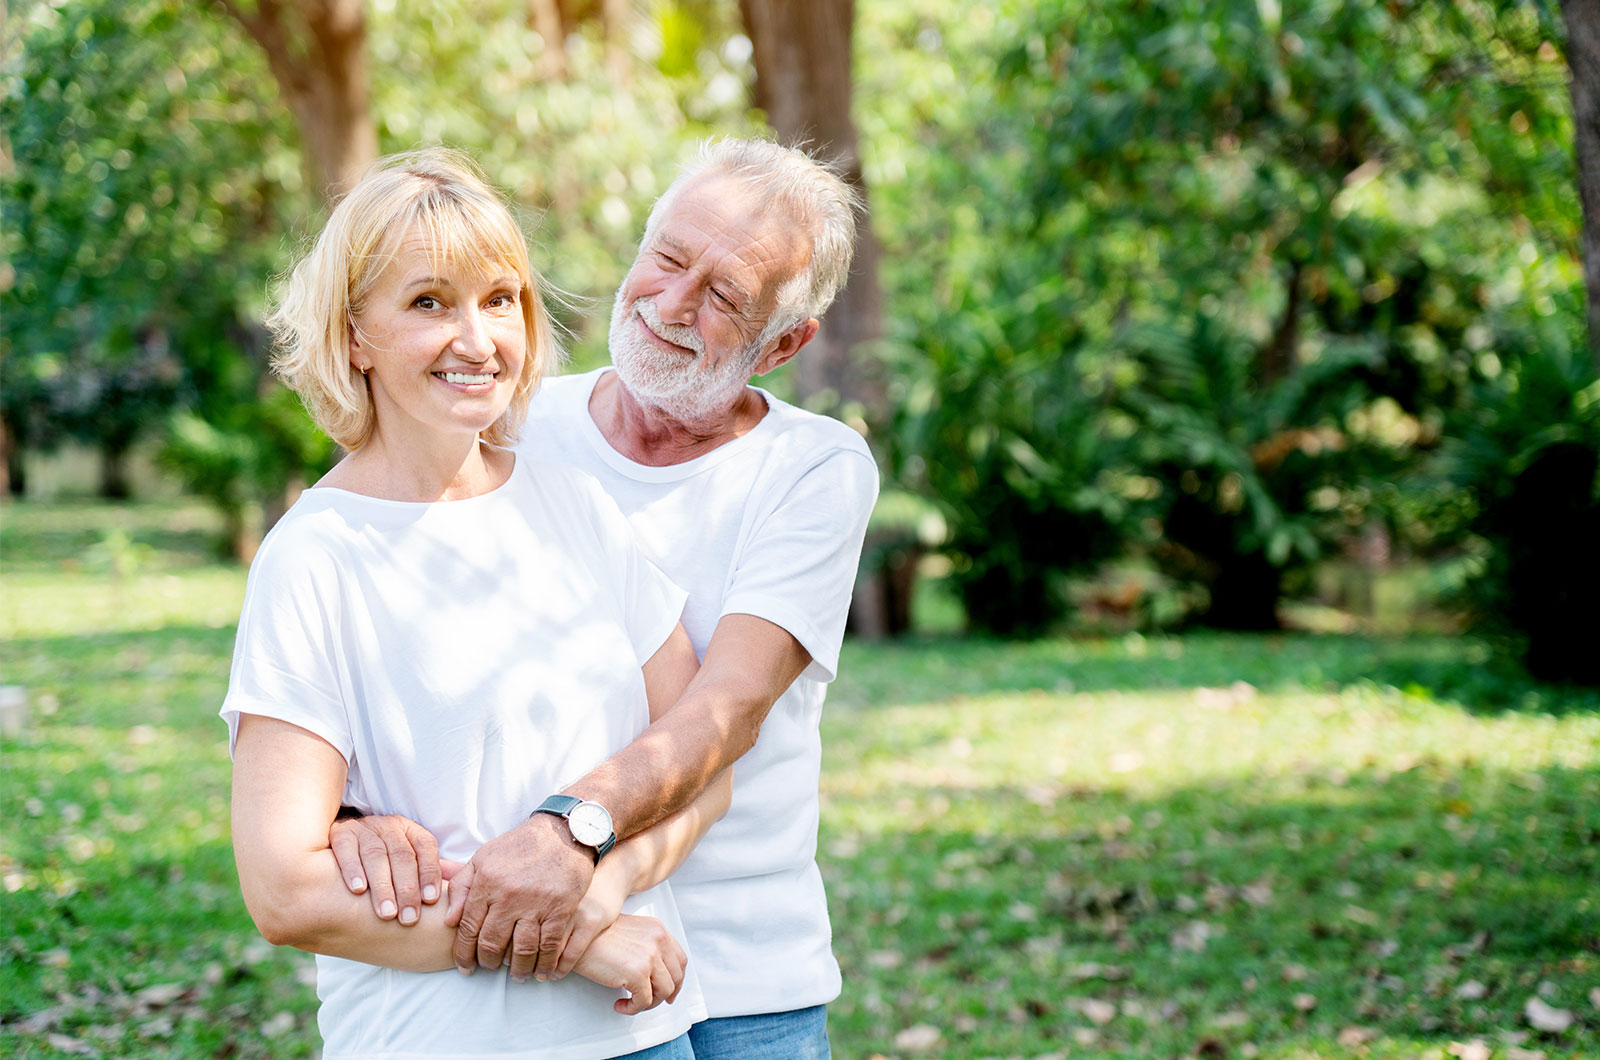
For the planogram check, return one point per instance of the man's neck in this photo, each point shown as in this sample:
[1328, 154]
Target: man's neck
[649, 436]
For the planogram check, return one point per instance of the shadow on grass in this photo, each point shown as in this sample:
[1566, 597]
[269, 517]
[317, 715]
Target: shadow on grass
[1414, 909]
[1452, 669]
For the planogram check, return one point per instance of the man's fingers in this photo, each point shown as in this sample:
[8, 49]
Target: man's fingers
[460, 877]
[494, 939]
[347, 854]
[524, 949]
[552, 937]
[469, 922]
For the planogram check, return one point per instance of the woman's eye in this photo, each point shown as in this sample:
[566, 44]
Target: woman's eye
[503, 301]
[426, 301]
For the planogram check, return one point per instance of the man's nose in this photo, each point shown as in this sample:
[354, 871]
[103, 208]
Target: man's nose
[677, 300]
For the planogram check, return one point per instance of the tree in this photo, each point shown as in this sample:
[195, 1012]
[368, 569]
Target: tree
[803, 83]
[316, 50]
[1239, 199]
[1583, 57]
[142, 204]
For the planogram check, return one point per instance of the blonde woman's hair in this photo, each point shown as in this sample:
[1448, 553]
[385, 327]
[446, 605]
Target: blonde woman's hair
[442, 195]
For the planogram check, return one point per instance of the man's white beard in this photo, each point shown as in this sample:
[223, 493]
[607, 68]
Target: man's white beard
[688, 389]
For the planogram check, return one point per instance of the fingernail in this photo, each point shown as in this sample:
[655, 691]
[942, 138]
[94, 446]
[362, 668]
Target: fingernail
[429, 893]
[519, 979]
[357, 883]
[408, 915]
[541, 977]
[463, 969]
[386, 910]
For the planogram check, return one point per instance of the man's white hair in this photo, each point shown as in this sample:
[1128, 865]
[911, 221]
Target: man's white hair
[814, 195]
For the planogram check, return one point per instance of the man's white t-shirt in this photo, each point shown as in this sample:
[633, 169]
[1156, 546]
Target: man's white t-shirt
[769, 524]
[467, 658]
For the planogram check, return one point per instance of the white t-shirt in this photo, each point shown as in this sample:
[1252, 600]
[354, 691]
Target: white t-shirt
[769, 524]
[467, 658]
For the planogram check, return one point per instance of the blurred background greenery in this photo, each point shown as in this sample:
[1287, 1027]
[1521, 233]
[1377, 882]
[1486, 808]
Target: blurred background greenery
[1235, 314]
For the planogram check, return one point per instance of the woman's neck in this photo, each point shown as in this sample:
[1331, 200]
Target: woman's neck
[447, 471]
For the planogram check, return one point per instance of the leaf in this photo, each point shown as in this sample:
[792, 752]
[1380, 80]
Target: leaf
[1305, 1002]
[1352, 1037]
[278, 1025]
[1472, 1050]
[1472, 990]
[160, 994]
[1094, 1010]
[918, 1039]
[1547, 1018]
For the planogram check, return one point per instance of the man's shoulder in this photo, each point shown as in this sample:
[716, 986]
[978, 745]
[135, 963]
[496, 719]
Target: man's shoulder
[802, 431]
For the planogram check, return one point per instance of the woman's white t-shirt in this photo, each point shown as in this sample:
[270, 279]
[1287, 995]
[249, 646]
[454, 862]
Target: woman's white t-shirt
[467, 658]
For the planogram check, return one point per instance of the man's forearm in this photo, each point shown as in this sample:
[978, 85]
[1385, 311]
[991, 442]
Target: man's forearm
[748, 665]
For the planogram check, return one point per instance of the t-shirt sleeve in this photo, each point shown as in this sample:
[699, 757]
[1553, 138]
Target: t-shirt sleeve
[651, 602]
[799, 567]
[285, 662]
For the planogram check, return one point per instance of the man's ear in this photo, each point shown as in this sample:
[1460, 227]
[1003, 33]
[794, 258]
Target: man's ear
[785, 346]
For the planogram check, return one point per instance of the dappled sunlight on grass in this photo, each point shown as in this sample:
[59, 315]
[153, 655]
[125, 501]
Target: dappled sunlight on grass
[1206, 846]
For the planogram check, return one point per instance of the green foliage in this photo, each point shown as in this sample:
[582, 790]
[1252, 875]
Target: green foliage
[1286, 846]
[1529, 451]
[148, 191]
[1276, 241]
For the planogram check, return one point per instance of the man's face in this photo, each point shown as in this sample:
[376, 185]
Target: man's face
[687, 321]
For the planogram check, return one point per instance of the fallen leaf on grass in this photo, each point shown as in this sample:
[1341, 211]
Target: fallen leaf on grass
[1234, 1018]
[1305, 1002]
[1093, 1009]
[1095, 970]
[1472, 990]
[75, 1046]
[278, 1025]
[1594, 997]
[1516, 1052]
[159, 994]
[1547, 1018]
[918, 1039]
[1352, 1037]
[1472, 1050]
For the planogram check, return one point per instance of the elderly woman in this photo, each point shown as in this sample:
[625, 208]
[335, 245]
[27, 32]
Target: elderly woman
[444, 630]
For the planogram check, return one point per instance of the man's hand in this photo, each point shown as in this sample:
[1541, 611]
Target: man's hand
[516, 898]
[639, 955]
[392, 859]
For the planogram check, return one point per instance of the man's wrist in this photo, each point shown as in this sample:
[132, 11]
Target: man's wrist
[588, 822]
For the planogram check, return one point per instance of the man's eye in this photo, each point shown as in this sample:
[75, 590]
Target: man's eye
[722, 299]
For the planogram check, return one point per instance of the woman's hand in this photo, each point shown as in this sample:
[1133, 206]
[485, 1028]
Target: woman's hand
[637, 954]
[391, 859]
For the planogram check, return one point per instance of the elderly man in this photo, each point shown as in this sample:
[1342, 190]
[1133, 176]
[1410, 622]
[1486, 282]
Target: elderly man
[758, 510]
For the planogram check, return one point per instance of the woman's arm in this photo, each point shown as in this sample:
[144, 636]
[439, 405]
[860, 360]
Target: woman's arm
[286, 788]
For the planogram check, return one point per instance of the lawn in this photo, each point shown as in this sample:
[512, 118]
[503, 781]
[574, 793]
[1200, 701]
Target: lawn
[1196, 846]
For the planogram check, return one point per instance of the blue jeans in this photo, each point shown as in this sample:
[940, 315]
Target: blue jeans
[798, 1035]
[677, 1049]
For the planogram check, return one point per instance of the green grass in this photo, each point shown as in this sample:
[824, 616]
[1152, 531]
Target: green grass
[1206, 846]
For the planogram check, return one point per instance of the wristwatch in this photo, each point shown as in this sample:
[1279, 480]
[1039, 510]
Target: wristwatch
[589, 822]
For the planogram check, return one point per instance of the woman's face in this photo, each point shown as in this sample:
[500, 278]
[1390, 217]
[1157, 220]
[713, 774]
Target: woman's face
[443, 353]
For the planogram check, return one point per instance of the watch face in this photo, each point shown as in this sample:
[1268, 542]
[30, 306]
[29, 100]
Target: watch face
[590, 823]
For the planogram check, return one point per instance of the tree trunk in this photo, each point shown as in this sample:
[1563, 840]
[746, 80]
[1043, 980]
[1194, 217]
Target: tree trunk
[15, 480]
[803, 83]
[316, 50]
[618, 16]
[1583, 59]
[114, 472]
[546, 18]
